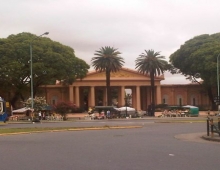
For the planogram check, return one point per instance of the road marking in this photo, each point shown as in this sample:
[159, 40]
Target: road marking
[171, 154]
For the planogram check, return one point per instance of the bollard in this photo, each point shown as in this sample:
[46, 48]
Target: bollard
[212, 127]
[208, 127]
[219, 126]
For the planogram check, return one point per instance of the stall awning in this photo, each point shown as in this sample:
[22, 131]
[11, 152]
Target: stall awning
[22, 110]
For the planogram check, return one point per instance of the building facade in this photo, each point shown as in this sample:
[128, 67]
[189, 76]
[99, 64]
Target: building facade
[91, 91]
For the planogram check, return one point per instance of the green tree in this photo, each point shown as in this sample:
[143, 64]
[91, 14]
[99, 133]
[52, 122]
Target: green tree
[107, 59]
[198, 56]
[153, 64]
[51, 61]
[40, 103]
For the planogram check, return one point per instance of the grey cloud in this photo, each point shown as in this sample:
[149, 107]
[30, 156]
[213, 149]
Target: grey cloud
[132, 26]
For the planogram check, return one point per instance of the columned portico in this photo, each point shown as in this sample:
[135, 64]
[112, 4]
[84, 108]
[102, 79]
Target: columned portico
[71, 94]
[77, 96]
[158, 95]
[134, 99]
[92, 96]
[92, 89]
[122, 96]
[138, 102]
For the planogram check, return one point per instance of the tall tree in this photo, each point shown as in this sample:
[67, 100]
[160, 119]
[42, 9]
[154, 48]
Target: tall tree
[51, 61]
[198, 56]
[153, 64]
[107, 59]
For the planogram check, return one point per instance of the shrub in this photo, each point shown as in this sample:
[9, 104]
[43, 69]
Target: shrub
[63, 108]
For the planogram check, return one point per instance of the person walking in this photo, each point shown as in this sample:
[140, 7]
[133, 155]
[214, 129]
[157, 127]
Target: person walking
[108, 114]
[39, 115]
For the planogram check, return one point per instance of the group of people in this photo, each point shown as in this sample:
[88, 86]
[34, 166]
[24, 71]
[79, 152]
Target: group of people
[101, 114]
[175, 113]
[43, 116]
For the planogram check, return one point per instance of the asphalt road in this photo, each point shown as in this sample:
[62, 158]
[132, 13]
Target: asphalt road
[103, 122]
[155, 146]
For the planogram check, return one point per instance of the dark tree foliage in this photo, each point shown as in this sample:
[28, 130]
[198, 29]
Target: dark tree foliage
[51, 61]
[196, 58]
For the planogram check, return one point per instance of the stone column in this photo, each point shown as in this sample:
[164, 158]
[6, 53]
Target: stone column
[122, 99]
[92, 91]
[143, 93]
[138, 102]
[134, 99]
[77, 95]
[71, 94]
[158, 94]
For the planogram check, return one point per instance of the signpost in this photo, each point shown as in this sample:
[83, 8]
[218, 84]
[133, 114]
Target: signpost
[217, 101]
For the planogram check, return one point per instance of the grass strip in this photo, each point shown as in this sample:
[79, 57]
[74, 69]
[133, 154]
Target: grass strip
[57, 129]
[39, 129]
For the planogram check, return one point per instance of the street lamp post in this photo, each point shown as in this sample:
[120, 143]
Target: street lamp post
[126, 103]
[218, 82]
[218, 75]
[31, 69]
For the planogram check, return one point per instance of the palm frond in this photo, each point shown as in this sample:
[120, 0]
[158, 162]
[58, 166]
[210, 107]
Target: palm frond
[151, 61]
[107, 58]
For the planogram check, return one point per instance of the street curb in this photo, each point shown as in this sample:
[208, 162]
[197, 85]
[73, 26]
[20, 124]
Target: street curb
[180, 121]
[209, 138]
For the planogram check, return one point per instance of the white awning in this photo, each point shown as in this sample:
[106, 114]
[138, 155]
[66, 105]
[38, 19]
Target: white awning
[22, 110]
[126, 108]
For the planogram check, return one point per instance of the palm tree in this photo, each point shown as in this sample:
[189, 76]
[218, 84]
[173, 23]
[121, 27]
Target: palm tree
[107, 59]
[151, 63]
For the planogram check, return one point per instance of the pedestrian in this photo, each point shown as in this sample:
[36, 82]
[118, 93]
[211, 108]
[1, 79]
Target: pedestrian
[108, 114]
[39, 115]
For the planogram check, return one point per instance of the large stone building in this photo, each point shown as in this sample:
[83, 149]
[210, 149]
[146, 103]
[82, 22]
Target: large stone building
[91, 91]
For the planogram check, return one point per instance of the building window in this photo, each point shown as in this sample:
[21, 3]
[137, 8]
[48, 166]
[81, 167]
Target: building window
[54, 100]
[194, 101]
[165, 99]
[179, 100]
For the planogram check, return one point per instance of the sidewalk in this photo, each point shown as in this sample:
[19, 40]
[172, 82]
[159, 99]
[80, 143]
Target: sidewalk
[215, 137]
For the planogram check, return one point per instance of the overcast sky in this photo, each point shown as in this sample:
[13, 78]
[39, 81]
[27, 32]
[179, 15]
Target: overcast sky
[131, 26]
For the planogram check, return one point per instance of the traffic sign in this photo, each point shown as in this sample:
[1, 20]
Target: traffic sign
[216, 99]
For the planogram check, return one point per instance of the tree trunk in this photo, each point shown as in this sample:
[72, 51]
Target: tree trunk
[14, 99]
[152, 94]
[211, 98]
[108, 88]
